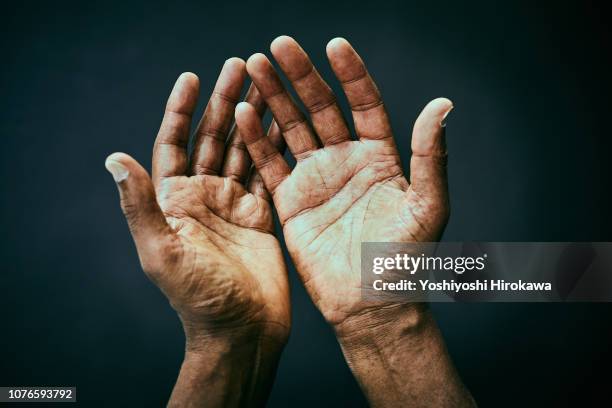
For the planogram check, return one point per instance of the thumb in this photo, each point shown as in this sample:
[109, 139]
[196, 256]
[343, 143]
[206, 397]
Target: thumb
[428, 162]
[144, 217]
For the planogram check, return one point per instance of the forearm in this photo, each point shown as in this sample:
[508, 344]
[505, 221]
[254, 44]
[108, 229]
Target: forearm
[399, 359]
[228, 371]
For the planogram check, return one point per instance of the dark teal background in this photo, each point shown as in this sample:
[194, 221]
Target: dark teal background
[529, 161]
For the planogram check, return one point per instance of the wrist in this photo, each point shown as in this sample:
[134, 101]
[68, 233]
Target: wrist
[270, 336]
[231, 367]
[399, 358]
[383, 324]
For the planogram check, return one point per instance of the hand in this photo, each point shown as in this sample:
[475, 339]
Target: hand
[204, 238]
[346, 191]
[207, 241]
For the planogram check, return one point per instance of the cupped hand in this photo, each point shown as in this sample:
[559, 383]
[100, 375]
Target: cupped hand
[203, 226]
[343, 192]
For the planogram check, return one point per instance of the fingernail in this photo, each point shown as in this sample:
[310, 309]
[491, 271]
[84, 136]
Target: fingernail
[118, 170]
[443, 122]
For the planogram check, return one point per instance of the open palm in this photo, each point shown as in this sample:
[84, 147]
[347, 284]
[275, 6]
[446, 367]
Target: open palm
[347, 191]
[203, 236]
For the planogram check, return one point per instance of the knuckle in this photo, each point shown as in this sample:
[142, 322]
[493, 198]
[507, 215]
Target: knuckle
[200, 169]
[367, 105]
[321, 104]
[214, 132]
[267, 158]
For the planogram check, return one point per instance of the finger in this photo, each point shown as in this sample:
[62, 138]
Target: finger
[317, 96]
[256, 184]
[296, 130]
[428, 162]
[237, 160]
[212, 131]
[145, 219]
[369, 114]
[267, 159]
[170, 149]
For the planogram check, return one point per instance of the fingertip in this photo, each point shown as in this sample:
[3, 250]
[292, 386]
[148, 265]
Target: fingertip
[345, 61]
[282, 43]
[187, 81]
[137, 195]
[256, 61]
[284, 37]
[120, 157]
[441, 104]
[428, 132]
[231, 79]
[117, 166]
[234, 71]
[338, 44]
[188, 77]
[248, 122]
[184, 94]
[234, 62]
[243, 112]
[243, 108]
[440, 108]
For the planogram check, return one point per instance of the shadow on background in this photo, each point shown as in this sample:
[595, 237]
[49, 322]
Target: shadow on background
[528, 144]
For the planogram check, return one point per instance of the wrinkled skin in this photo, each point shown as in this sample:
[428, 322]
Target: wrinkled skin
[204, 234]
[228, 269]
[346, 191]
[365, 199]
